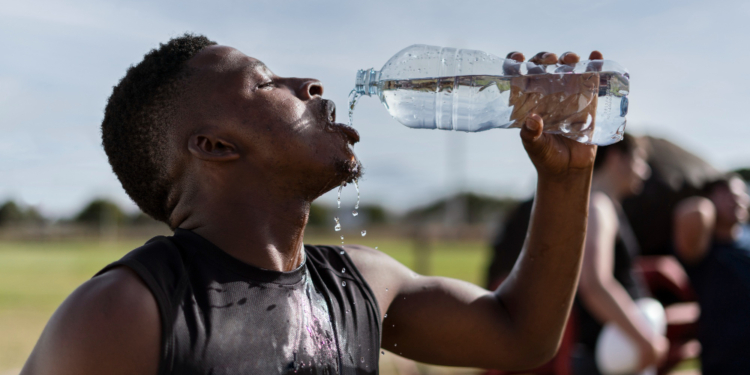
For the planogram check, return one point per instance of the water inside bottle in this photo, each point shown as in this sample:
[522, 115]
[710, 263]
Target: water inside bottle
[567, 102]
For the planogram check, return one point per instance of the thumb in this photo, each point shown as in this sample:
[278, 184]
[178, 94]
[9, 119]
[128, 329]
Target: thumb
[532, 130]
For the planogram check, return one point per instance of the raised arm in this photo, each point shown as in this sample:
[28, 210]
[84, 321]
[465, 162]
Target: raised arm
[108, 326]
[518, 326]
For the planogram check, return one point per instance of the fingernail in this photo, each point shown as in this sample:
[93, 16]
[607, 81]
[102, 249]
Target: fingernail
[532, 124]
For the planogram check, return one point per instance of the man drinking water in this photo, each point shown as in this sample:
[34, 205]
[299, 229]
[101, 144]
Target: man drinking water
[230, 156]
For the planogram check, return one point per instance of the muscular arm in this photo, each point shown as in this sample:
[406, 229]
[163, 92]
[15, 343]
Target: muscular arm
[108, 326]
[518, 326]
[600, 292]
[694, 220]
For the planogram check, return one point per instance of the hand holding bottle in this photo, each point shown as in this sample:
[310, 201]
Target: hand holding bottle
[554, 155]
[566, 102]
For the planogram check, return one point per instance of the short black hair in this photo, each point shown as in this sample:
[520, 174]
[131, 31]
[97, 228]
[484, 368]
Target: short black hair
[626, 146]
[138, 116]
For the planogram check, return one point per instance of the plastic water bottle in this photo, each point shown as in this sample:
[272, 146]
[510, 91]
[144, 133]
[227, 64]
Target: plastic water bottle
[457, 89]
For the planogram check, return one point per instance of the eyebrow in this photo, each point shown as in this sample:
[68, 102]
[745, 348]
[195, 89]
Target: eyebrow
[257, 64]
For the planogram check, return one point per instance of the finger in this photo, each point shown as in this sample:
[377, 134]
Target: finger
[544, 58]
[512, 64]
[596, 55]
[536, 63]
[569, 58]
[595, 64]
[532, 129]
[567, 62]
[517, 56]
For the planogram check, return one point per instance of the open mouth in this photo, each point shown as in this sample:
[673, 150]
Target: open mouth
[351, 135]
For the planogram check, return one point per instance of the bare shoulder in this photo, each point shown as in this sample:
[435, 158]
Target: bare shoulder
[602, 204]
[602, 213]
[695, 206]
[385, 275]
[110, 324]
[694, 213]
[694, 220]
[375, 265]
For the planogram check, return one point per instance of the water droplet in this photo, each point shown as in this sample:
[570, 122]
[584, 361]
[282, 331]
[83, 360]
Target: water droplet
[353, 99]
[386, 289]
[338, 201]
[362, 359]
[376, 247]
[343, 270]
[395, 344]
[338, 225]
[355, 213]
[385, 316]
[342, 252]
[364, 233]
[343, 283]
[356, 186]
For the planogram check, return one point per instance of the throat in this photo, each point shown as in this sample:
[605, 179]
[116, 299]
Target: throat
[256, 232]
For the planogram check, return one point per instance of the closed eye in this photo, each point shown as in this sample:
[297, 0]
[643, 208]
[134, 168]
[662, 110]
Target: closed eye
[267, 85]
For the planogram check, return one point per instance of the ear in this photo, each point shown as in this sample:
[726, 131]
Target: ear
[209, 147]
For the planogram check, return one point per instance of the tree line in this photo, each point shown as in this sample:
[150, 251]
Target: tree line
[467, 208]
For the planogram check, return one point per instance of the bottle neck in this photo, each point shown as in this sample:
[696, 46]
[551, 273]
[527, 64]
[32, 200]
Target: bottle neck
[367, 82]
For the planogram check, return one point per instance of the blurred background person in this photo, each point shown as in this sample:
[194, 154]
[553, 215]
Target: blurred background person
[609, 286]
[710, 242]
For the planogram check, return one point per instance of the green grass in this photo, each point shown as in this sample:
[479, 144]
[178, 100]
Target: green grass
[35, 277]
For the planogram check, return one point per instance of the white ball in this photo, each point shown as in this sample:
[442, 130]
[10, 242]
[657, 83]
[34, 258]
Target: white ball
[616, 353]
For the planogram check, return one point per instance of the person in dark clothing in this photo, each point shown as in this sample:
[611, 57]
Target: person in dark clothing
[709, 240]
[609, 287]
[231, 156]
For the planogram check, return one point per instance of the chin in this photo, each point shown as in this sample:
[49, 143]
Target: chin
[349, 170]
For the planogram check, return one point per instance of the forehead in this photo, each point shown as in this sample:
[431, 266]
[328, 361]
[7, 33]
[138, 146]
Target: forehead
[224, 59]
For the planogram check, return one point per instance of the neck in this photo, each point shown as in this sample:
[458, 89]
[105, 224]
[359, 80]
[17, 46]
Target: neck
[255, 225]
[605, 183]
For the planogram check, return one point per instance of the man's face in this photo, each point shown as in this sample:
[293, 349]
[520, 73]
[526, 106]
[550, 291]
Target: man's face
[633, 169]
[280, 125]
[731, 202]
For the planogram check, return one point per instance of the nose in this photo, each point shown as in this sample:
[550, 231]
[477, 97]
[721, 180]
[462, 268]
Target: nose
[309, 88]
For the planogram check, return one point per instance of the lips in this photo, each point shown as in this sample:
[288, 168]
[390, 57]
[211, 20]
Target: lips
[351, 135]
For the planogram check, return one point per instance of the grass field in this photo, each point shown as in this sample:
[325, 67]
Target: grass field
[35, 277]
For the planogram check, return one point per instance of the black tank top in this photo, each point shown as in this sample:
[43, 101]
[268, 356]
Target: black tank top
[626, 249]
[222, 316]
[722, 283]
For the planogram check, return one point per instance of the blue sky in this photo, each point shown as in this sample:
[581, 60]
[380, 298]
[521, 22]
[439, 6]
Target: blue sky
[60, 59]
